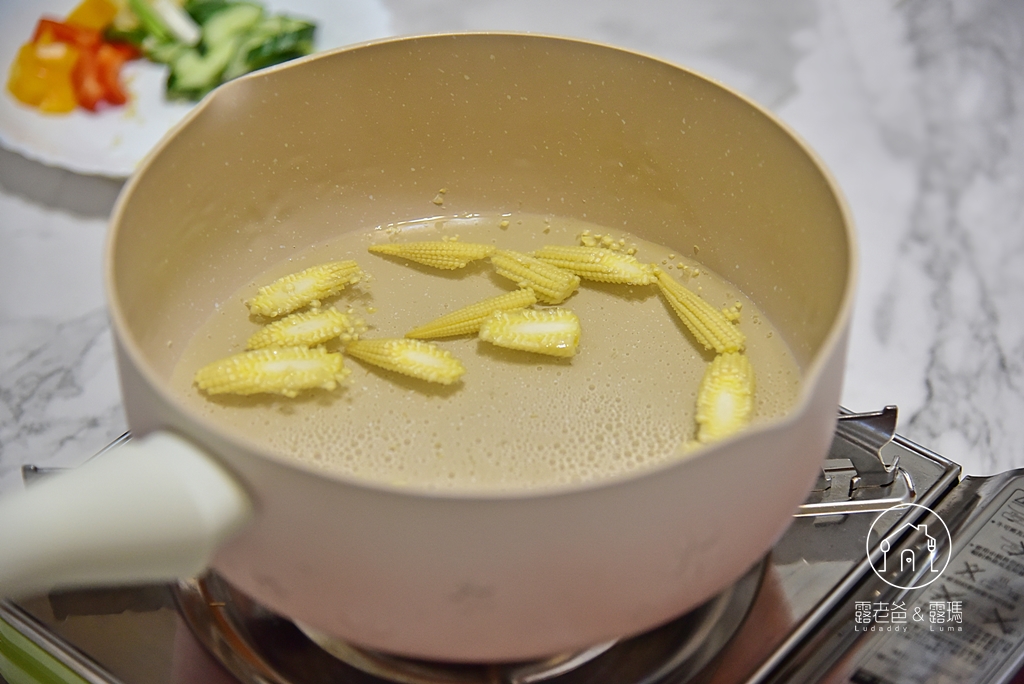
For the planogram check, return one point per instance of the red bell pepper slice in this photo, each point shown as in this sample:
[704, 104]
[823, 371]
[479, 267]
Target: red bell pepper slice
[96, 76]
[79, 36]
[85, 80]
[109, 59]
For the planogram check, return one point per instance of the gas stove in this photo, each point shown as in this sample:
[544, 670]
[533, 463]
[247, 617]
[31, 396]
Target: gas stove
[895, 570]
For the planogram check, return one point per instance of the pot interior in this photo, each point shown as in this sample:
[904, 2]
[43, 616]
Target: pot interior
[288, 158]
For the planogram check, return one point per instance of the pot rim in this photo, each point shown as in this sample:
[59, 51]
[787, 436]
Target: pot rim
[831, 344]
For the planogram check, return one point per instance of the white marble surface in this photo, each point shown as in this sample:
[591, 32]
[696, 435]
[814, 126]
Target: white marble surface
[916, 106]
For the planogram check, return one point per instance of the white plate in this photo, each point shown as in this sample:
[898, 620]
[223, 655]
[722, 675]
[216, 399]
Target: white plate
[111, 142]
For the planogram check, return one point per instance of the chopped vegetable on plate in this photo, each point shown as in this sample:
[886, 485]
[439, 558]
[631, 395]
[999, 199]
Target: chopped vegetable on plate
[71, 63]
[77, 61]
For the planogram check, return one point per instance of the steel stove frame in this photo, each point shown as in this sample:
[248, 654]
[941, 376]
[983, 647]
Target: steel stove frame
[815, 610]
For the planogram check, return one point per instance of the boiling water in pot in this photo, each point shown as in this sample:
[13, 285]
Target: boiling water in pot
[516, 420]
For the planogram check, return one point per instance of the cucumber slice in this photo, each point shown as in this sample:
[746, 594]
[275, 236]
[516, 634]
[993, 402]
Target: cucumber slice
[201, 10]
[273, 40]
[237, 37]
[162, 51]
[231, 21]
[193, 75]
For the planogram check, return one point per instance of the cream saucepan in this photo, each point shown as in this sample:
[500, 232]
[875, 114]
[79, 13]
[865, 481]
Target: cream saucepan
[368, 137]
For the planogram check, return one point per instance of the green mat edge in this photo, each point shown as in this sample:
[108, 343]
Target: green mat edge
[22, 661]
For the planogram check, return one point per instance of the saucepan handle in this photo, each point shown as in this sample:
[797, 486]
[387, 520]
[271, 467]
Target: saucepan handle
[151, 510]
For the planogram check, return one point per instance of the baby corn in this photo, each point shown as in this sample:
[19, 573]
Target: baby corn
[709, 325]
[725, 399]
[598, 263]
[304, 288]
[308, 330]
[414, 358]
[279, 370]
[551, 284]
[468, 319]
[555, 332]
[447, 254]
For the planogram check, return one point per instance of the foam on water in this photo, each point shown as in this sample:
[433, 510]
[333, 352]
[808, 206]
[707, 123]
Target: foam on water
[516, 420]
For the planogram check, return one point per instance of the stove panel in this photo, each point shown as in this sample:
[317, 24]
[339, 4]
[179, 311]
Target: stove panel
[137, 635]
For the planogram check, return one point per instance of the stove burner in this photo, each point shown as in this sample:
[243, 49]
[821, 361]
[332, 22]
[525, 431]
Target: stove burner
[259, 647]
[410, 671]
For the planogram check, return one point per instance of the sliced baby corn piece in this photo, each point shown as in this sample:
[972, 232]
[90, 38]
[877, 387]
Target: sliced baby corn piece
[468, 319]
[278, 370]
[447, 254]
[725, 399]
[555, 332]
[308, 330]
[709, 325]
[551, 284]
[414, 358]
[304, 288]
[598, 263]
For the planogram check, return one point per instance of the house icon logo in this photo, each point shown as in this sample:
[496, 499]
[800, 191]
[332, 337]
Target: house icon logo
[909, 555]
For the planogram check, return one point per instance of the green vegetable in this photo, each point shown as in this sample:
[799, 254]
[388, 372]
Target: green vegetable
[128, 34]
[198, 71]
[231, 21]
[234, 38]
[149, 19]
[201, 10]
[162, 51]
[194, 74]
[177, 21]
[272, 41]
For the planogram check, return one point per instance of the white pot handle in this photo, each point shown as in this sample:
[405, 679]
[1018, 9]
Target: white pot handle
[152, 510]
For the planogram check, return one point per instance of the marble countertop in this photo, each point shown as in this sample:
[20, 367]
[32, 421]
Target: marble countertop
[916, 106]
